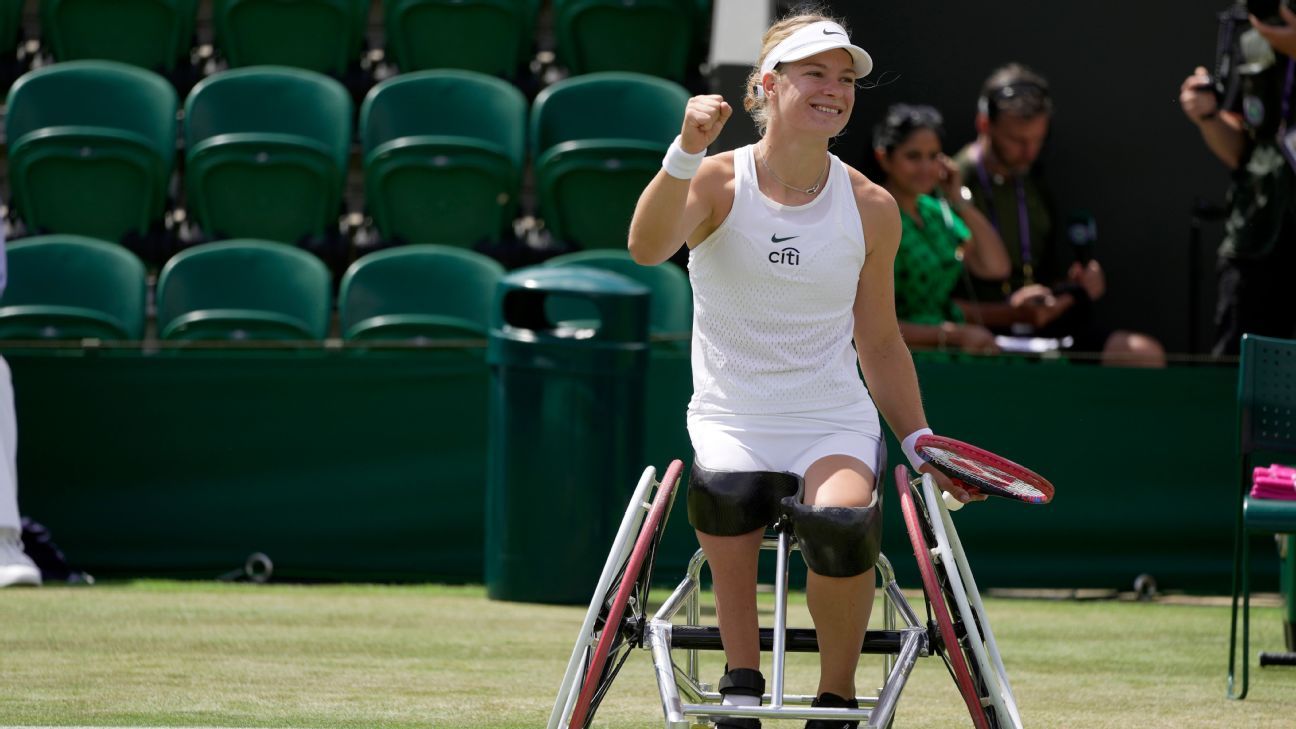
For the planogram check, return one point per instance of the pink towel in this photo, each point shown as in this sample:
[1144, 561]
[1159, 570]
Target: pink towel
[1276, 469]
[1275, 482]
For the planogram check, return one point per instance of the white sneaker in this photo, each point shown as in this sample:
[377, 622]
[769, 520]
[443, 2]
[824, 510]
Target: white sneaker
[16, 568]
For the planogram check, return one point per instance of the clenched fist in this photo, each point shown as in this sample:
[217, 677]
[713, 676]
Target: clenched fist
[704, 117]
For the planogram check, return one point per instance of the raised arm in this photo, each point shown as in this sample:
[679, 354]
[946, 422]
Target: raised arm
[677, 202]
[1281, 36]
[984, 253]
[1221, 130]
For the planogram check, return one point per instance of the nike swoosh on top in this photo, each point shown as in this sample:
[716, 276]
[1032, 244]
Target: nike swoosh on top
[776, 239]
[832, 32]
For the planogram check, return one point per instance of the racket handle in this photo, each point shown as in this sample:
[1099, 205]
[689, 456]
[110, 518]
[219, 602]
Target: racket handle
[951, 503]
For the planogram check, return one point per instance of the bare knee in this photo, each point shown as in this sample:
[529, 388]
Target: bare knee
[838, 481]
[839, 524]
[1133, 349]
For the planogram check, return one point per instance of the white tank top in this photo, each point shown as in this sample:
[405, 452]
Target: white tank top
[773, 292]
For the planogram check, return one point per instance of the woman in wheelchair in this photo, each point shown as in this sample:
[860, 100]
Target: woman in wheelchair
[790, 256]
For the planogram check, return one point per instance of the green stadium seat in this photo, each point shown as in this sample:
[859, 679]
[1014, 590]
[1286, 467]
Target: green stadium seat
[91, 148]
[489, 36]
[152, 34]
[597, 140]
[671, 301]
[318, 35]
[443, 156]
[266, 153]
[71, 287]
[243, 290]
[655, 37]
[1266, 433]
[418, 291]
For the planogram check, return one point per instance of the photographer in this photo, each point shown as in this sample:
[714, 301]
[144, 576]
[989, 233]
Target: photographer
[1243, 119]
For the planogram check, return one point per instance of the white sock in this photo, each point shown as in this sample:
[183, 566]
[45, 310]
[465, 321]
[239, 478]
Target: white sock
[741, 700]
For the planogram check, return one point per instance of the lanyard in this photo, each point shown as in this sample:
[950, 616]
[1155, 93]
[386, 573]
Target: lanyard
[1023, 214]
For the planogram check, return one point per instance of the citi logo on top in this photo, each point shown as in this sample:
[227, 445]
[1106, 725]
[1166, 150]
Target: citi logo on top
[787, 256]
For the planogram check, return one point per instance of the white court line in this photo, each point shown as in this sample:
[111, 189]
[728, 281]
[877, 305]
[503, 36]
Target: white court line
[117, 726]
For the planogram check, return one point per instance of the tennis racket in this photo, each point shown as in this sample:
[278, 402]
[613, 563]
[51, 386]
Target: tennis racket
[980, 471]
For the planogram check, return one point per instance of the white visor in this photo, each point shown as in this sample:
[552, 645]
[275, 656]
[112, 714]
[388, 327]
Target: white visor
[817, 38]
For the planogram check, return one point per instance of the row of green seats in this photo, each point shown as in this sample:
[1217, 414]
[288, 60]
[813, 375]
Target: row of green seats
[658, 37]
[92, 146]
[71, 287]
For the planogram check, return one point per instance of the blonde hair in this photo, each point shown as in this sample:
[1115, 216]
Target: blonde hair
[757, 104]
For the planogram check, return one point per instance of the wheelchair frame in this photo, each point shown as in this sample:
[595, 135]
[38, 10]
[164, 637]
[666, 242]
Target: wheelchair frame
[688, 702]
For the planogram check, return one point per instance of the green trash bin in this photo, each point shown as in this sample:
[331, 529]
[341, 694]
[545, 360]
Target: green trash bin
[568, 353]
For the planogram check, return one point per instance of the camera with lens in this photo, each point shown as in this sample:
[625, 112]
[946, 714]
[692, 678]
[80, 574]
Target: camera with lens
[1240, 50]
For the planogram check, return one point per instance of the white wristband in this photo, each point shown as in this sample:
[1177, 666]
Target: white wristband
[681, 164]
[911, 451]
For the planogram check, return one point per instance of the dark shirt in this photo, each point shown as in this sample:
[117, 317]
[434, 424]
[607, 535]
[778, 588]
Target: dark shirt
[1043, 263]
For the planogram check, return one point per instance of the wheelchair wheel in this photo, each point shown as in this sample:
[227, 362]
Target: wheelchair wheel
[952, 646]
[623, 615]
[965, 600]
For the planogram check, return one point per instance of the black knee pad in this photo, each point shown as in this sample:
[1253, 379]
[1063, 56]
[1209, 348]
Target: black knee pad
[729, 503]
[837, 541]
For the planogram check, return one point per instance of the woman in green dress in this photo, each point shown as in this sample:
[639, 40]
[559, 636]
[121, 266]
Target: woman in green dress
[942, 233]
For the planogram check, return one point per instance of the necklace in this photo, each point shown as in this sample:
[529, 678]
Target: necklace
[823, 177]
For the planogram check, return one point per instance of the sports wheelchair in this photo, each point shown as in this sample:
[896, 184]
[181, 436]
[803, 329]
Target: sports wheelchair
[618, 622]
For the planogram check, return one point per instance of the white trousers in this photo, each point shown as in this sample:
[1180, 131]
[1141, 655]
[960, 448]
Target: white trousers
[8, 453]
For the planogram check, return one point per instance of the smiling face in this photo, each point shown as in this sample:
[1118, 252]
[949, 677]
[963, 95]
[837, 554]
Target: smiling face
[814, 94]
[913, 166]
